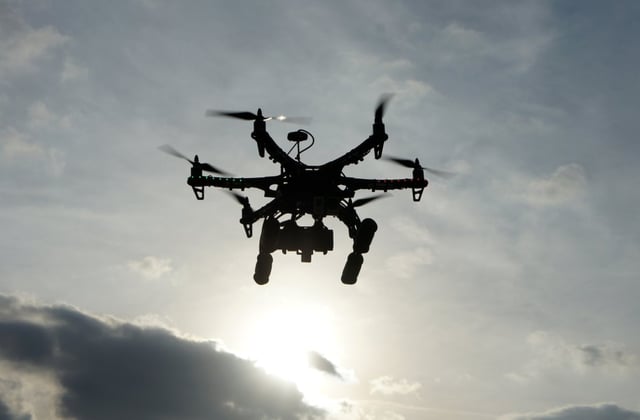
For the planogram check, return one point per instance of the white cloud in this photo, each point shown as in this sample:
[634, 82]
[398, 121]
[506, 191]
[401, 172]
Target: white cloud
[462, 36]
[16, 145]
[41, 116]
[459, 41]
[20, 51]
[390, 415]
[16, 148]
[406, 264]
[24, 391]
[566, 184]
[387, 385]
[411, 229]
[72, 71]
[151, 267]
[151, 320]
[408, 89]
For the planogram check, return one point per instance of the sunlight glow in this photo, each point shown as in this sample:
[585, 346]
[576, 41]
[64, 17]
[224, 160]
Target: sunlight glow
[282, 340]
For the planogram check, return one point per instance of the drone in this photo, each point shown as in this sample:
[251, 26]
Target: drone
[301, 189]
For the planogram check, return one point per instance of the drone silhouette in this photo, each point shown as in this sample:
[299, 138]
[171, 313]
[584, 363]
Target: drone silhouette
[301, 189]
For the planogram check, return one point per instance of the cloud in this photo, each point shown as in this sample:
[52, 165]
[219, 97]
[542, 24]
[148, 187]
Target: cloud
[72, 71]
[566, 184]
[41, 116]
[21, 45]
[16, 148]
[552, 352]
[411, 230]
[387, 385]
[597, 355]
[321, 363]
[6, 414]
[390, 415]
[409, 89]
[106, 369]
[484, 40]
[15, 145]
[465, 38]
[584, 412]
[151, 267]
[406, 264]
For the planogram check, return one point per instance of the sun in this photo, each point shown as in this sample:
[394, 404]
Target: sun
[280, 343]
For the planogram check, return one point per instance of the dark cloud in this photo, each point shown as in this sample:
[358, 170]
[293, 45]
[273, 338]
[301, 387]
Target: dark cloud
[592, 355]
[321, 363]
[24, 342]
[604, 355]
[108, 369]
[588, 412]
[6, 414]
[4, 410]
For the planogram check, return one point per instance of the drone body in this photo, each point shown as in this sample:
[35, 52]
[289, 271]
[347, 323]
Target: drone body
[301, 189]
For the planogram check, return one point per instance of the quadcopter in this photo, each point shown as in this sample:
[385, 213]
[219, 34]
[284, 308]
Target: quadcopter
[301, 189]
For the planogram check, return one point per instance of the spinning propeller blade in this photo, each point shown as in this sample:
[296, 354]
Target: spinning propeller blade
[440, 173]
[173, 152]
[362, 201]
[415, 164]
[250, 116]
[382, 104]
[241, 199]
[407, 163]
[204, 166]
[209, 168]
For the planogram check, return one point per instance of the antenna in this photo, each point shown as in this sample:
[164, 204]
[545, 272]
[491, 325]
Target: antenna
[298, 137]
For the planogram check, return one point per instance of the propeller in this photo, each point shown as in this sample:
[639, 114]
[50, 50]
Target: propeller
[242, 199]
[415, 164]
[195, 162]
[250, 116]
[382, 104]
[362, 201]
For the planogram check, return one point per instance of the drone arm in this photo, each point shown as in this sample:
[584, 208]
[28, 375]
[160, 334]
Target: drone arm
[349, 217]
[268, 209]
[417, 185]
[357, 154]
[266, 143]
[262, 183]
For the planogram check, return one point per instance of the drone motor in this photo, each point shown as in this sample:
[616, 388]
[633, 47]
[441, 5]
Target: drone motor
[297, 136]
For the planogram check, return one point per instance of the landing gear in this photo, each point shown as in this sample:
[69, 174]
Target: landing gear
[361, 243]
[307, 239]
[269, 235]
[352, 268]
[364, 236]
[263, 268]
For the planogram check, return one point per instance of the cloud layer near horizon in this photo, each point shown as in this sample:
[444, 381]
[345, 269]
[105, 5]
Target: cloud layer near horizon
[93, 368]
[580, 412]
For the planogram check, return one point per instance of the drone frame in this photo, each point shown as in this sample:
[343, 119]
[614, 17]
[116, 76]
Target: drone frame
[301, 189]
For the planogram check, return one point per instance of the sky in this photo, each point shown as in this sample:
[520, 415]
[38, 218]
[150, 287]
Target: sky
[509, 292]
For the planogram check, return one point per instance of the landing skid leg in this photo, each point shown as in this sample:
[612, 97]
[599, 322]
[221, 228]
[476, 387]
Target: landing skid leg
[364, 236]
[263, 268]
[352, 268]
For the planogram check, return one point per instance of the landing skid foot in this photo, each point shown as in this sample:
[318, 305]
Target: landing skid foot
[352, 268]
[263, 268]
